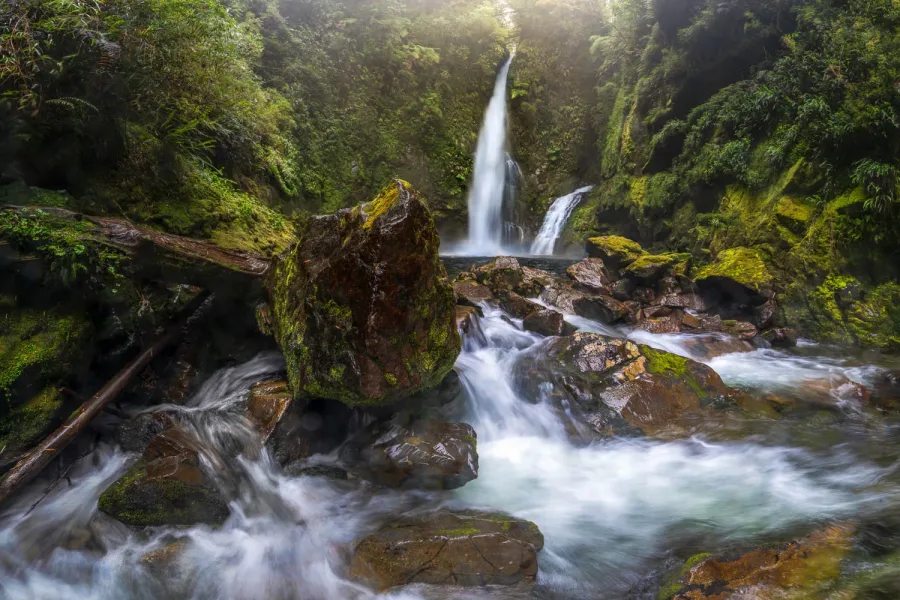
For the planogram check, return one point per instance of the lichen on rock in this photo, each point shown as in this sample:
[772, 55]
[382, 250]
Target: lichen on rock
[362, 307]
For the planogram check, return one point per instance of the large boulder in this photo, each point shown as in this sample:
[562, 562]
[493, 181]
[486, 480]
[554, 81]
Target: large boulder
[363, 310]
[615, 251]
[166, 486]
[737, 276]
[472, 293]
[614, 386]
[428, 454]
[444, 548]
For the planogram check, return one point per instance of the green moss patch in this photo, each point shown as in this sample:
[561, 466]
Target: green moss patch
[742, 265]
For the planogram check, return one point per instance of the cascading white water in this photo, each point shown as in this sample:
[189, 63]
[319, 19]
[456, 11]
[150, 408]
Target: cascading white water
[609, 512]
[489, 179]
[555, 221]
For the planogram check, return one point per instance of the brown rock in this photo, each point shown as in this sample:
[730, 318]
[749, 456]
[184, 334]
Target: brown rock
[670, 323]
[505, 274]
[706, 346]
[643, 294]
[622, 289]
[517, 306]
[766, 314]
[801, 566]
[547, 322]
[782, 337]
[363, 310]
[165, 487]
[269, 400]
[429, 454]
[472, 293]
[591, 274]
[741, 329]
[690, 301]
[464, 549]
[690, 321]
[604, 309]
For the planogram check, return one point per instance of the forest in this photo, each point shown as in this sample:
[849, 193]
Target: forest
[427, 299]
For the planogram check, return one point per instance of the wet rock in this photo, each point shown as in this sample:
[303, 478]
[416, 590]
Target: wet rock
[466, 319]
[688, 301]
[605, 309]
[547, 322]
[268, 403]
[505, 274]
[517, 306]
[801, 568]
[135, 434]
[362, 308]
[591, 274]
[304, 430]
[886, 390]
[643, 294]
[444, 548]
[614, 250]
[165, 487]
[616, 386]
[429, 454]
[765, 314]
[689, 321]
[706, 347]
[669, 323]
[622, 290]
[472, 293]
[781, 337]
[741, 329]
[656, 312]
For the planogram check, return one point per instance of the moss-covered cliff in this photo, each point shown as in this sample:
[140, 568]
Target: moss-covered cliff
[754, 124]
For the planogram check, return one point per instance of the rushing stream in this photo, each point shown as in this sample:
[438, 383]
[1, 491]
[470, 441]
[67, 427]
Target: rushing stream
[614, 514]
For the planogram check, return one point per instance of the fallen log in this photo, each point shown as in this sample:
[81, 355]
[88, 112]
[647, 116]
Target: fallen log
[150, 254]
[30, 465]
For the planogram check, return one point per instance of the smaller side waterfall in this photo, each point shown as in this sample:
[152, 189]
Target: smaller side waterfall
[555, 221]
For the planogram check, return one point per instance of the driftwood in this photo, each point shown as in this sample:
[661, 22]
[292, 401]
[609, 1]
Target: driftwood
[159, 256]
[39, 457]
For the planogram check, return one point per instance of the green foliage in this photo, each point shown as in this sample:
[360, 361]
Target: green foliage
[881, 183]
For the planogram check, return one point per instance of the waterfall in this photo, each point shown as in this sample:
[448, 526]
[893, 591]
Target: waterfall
[555, 221]
[489, 181]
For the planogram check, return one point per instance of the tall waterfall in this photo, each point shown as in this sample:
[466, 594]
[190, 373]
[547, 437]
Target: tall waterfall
[555, 221]
[489, 182]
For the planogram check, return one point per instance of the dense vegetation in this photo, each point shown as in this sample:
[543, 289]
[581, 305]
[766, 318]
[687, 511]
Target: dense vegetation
[710, 125]
[198, 116]
[767, 124]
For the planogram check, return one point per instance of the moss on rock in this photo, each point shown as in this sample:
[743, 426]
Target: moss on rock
[742, 265]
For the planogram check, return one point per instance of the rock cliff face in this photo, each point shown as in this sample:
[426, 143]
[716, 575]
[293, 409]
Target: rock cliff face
[362, 307]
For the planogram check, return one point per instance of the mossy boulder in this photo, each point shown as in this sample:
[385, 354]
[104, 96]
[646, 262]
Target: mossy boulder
[40, 351]
[615, 251]
[613, 386]
[738, 274]
[793, 214]
[843, 310]
[799, 570]
[446, 548]
[363, 310]
[165, 487]
[650, 268]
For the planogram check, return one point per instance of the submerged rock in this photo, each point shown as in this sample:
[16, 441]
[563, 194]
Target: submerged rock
[362, 307]
[444, 548]
[430, 454]
[165, 487]
[800, 569]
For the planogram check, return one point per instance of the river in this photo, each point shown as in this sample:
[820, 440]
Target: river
[615, 515]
